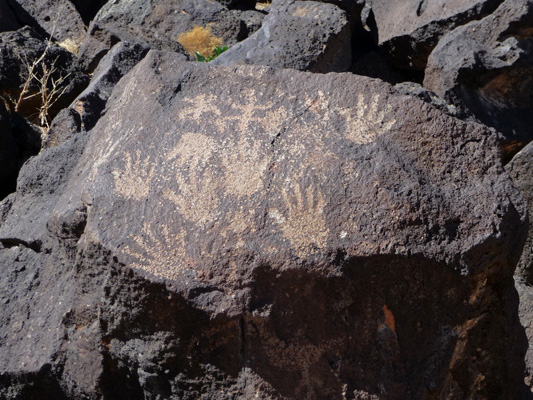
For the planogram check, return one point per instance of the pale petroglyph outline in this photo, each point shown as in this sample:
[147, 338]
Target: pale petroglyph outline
[133, 181]
[161, 254]
[304, 224]
[362, 125]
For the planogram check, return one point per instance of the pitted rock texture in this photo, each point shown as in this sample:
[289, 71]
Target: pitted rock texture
[55, 17]
[486, 66]
[279, 237]
[409, 30]
[326, 46]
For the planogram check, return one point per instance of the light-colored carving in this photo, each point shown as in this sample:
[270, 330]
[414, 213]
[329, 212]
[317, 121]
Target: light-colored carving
[362, 125]
[196, 198]
[304, 224]
[160, 253]
[368, 122]
[244, 167]
[133, 182]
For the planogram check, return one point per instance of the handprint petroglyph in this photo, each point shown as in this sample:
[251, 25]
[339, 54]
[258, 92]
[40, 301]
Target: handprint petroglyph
[303, 224]
[362, 125]
[368, 122]
[160, 253]
[244, 166]
[133, 182]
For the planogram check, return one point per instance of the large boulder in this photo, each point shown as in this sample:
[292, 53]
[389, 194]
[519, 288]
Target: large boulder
[241, 232]
[87, 108]
[25, 50]
[325, 47]
[55, 17]
[409, 30]
[487, 67]
[521, 171]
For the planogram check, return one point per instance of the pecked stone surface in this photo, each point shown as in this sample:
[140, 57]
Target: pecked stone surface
[409, 30]
[486, 66]
[325, 48]
[280, 235]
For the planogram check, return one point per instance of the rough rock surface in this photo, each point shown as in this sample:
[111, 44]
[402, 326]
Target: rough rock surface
[20, 49]
[277, 237]
[166, 20]
[325, 46]
[521, 171]
[57, 17]
[87, 108]
[487, 67]
[409, 30]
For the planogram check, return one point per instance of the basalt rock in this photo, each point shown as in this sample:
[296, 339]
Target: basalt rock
[487, 67]
[409, 30]
[285, 235]
[18, 52]
[55, 17]
[87, 108]
[325, 46]
[165, 20]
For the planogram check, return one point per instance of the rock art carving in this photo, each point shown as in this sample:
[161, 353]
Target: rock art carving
[156, 251]
[133, 182]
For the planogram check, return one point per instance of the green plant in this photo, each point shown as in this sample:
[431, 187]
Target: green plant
[216, 52]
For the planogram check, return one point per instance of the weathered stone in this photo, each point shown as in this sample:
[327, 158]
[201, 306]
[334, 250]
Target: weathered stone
[18, 51]
[415, 89]
[165, 20]
[325, 46]
[487, 67]
[56, 17]
[284, 235]
[101, 38]
[87, 108]
[521, 171]
[409, 30]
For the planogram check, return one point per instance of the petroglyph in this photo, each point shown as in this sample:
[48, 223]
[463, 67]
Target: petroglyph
[161, 253]
[197, 198]
[244, 167]
[368, 122]
[133, 182]
[304, 224]
[362, 125]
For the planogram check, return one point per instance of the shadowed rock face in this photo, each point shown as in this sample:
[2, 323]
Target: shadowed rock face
[409, 30]
[486, 66]
[244, 231]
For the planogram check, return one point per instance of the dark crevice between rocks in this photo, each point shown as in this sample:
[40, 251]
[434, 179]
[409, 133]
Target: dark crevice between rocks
[36, 246]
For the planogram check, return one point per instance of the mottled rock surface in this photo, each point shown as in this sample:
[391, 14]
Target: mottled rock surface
[487, 67]
[325, 46]
[521, 171]
[278, 236]
[409, 30]
[55, 17]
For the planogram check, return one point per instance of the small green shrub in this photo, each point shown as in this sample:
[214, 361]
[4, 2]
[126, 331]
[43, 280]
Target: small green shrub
[216, 52]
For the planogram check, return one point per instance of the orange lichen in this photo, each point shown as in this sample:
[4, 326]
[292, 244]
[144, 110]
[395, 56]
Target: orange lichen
[389, 318]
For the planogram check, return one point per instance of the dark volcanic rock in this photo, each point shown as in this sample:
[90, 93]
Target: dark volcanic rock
[521, 171]
[325, 46]
[409, 30]
[87, 108]
[164, 21]
[284, 235]
[487, 67]
[57, 17]
[20, 49]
